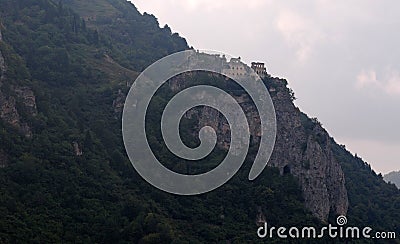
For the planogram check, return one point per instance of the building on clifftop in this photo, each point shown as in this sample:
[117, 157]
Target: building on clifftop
[259, 68]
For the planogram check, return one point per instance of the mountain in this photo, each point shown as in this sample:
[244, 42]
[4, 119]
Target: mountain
[393, 177]
[65, 69]
[302, 147]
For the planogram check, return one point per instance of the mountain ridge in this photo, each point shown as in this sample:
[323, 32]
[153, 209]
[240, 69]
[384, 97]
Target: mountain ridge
[393, 177]
[52, 192]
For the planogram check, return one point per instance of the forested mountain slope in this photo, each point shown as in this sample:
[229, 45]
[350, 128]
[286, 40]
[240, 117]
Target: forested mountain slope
[65, 67]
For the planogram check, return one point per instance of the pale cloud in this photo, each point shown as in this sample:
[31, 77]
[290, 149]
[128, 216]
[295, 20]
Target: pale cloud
[392, 86]
[299, 32]
[213, 5]
[366, 78]
[389, 83]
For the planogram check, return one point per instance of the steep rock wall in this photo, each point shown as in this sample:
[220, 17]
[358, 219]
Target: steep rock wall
[9, 99]
[302, 147]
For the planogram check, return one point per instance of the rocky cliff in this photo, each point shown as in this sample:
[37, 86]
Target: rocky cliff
[49, 194]
[303, 147]
[9, 101]
[393, 177]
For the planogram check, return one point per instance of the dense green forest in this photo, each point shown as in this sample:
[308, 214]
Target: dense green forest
[78, 57]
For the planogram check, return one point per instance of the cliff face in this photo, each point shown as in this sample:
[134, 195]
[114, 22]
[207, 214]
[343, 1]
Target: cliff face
[303, 148]
[9, 100]
[27, 98]
[393, 177]
[9, 112]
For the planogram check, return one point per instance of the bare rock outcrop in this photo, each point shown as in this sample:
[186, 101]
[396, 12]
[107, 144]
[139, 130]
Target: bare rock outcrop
[28, 99]
[302, 148]
[118, 102]
[77, 149]
[8, 110]
[15, 94]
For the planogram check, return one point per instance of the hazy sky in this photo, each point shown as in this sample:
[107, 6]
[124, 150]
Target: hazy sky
[342, 58]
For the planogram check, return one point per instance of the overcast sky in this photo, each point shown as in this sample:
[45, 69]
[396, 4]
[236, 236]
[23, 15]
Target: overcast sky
[342, 59]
